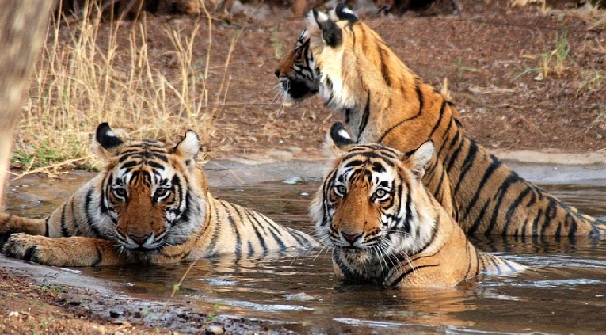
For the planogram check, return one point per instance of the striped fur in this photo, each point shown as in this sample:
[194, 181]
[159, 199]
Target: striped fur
[385, 228]
[149, 205]
[383, 101]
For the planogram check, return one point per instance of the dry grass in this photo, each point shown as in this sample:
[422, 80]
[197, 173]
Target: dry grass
[82, 80]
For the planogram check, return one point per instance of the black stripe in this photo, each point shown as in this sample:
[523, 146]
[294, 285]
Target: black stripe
[440, 180]
[510, 266]
[99, 256]
[215, 237]
[364, 120]
[230, 218]
[72, 207]
[408, 217]
[468, 163]
[47, 234]
[251, 251]
[472, 203]
[439, 121]
[445, 138]
[513, 178]
[347, 273]
[155, 164]
[495, 264]
[104, 195]
[273, 230]
[573, 228]
[256, 226]
[90, 222]
[482, 265]
[455, 155]
[550, 214]
[419, 97]
[64, 231]
[476, 224]
[397, 125]
[302, 240]
[384, 67]
[434, 232]
[468, 254]
[516, 203]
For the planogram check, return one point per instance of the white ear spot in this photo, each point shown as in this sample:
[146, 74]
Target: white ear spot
[190, 146]
[344, 133]
[348, 11]
[314, 17]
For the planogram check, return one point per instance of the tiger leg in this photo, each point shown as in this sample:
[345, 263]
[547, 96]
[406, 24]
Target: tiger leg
[15, 224]
[64, 251]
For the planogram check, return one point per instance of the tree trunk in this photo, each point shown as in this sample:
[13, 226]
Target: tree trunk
[23, 25]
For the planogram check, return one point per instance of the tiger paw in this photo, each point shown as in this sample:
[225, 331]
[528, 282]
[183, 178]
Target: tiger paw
[28, 247]
[38, 249]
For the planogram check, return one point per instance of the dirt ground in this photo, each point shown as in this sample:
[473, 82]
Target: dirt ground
[491, 54]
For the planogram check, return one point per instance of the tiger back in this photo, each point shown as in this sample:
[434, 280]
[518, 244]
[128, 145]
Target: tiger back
[150, 204]
[384, 227]
[383, 101]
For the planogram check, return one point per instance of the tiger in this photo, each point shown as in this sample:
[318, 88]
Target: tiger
[150, 204]
[383, 101]
[385, 228]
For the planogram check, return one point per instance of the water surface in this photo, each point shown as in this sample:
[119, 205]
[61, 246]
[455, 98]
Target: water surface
[563, 292]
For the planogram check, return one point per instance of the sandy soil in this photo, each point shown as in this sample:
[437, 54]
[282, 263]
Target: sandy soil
[490, 53]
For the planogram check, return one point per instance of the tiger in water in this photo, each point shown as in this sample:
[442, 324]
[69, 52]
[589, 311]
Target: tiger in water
[383, 225]
[150, 205]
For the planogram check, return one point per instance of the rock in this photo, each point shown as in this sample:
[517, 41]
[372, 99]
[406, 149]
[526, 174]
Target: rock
[214, 329]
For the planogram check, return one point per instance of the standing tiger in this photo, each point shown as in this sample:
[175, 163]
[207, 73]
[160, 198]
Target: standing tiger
[383, 101]
[150, 204]
[385, 228]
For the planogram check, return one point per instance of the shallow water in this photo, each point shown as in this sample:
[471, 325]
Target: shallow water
[563, 292]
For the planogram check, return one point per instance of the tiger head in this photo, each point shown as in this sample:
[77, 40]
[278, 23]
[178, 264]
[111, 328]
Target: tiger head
[372, 204]
[297, 71]
[300, 74]
[151, 195]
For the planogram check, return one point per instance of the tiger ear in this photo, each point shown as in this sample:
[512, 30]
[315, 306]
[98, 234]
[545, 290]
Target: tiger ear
[331, 33]
[342, 13]
[105, 142]
[337, 140]
[189, 147]
[421, 157]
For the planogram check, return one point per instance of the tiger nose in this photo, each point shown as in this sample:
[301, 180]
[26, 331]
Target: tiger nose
[351, 238]
[277, 73]
[139, 238]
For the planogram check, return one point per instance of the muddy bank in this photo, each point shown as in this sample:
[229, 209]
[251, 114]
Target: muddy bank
[97, 301]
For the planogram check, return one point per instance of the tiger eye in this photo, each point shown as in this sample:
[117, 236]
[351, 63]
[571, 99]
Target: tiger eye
[162, 192]
[380, 193]
[340, 190]
[119, 192]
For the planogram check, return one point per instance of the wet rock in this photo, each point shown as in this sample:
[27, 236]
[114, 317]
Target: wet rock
[214, 329]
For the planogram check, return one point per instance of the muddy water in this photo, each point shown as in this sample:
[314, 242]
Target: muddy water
[564, 292]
